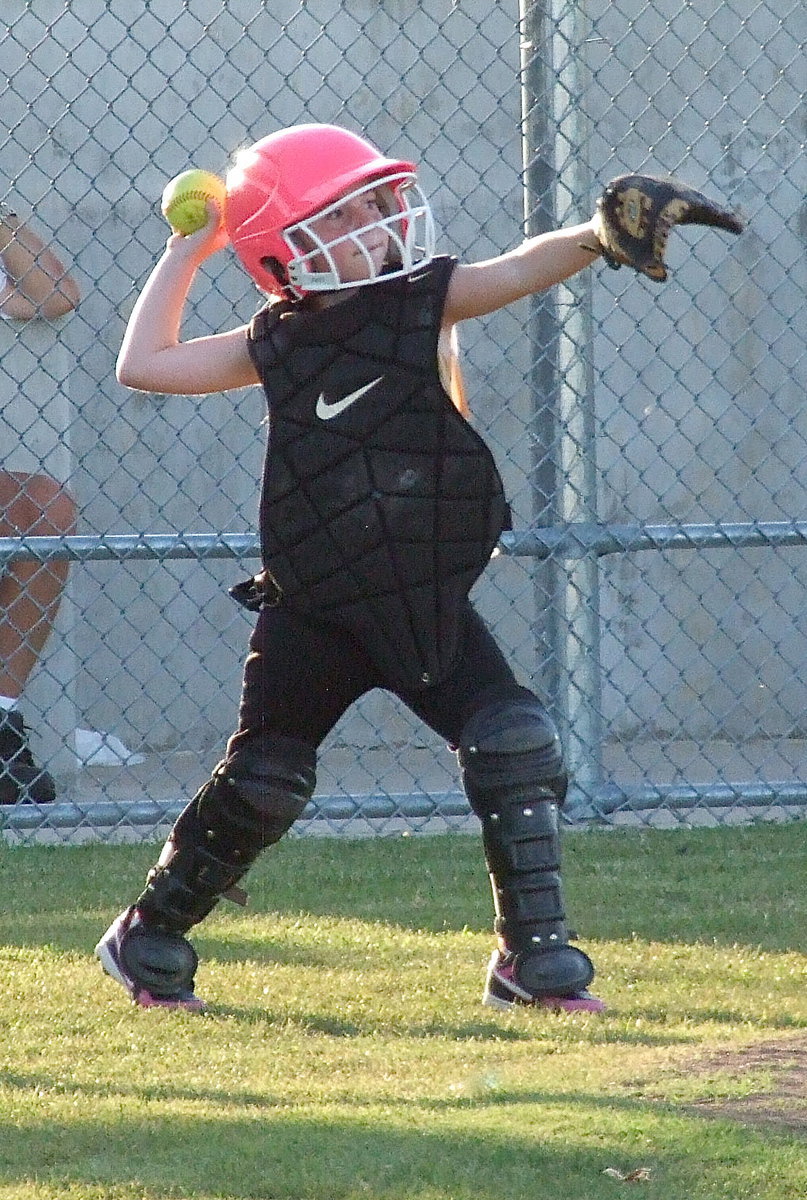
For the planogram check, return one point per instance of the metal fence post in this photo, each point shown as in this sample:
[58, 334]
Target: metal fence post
[578, 644]
[543, 331]
[561, 374]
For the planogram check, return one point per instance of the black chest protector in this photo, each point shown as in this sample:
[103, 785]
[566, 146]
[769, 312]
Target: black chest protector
[380, 504]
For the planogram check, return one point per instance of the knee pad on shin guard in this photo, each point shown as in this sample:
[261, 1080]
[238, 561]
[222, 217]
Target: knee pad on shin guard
[271, 781]
[514, 777]
[250, 801]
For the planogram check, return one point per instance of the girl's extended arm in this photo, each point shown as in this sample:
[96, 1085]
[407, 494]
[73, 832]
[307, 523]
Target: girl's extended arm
[537, 264]
[152, 358]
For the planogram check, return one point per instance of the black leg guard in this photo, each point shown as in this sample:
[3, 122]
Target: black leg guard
[515, 780]
[251, 800]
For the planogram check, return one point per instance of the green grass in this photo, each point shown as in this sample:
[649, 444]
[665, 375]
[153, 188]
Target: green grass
[346, 1055]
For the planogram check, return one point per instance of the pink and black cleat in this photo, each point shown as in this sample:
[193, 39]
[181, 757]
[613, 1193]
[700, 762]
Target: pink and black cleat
[504, 991]
[156, 967]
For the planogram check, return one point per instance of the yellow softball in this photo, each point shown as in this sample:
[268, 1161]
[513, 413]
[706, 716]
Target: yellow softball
[184, 199]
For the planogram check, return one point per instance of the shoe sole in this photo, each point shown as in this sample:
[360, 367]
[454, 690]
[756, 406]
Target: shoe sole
[552, 1003]
[144, 999]
[581, 1003]
[491, 1001]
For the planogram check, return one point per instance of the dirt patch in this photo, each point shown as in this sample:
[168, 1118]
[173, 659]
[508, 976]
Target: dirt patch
[783, 1104]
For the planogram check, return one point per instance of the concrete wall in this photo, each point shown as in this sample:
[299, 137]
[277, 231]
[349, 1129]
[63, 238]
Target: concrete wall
[698, 385]
[701, 383]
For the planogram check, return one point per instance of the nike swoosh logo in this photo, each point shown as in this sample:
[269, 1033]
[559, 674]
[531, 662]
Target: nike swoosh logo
[327, 411]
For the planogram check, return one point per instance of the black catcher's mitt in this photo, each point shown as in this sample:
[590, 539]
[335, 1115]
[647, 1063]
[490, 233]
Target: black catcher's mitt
[636, 213]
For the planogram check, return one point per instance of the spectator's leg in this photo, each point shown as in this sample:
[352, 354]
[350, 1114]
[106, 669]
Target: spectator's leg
[30, 592]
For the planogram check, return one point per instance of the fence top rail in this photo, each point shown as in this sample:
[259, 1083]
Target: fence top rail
[118, 546]
[574, 540]
[582, 539]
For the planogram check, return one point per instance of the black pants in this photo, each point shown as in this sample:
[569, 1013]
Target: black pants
[299, 680]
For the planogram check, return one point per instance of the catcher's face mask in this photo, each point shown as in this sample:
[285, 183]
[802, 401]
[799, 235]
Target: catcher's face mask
[384, 227]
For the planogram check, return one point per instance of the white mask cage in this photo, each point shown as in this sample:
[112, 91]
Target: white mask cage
[410, 228]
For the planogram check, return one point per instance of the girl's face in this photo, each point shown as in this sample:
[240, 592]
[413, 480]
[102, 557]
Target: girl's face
[343, 219]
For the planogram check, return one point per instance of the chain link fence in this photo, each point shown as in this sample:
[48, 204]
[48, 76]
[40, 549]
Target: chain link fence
[653, 440]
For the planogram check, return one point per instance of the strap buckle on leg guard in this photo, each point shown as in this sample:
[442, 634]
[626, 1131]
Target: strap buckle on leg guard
[183, 889]
[261, 591]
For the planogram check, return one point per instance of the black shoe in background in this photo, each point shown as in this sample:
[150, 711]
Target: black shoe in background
[22, 781]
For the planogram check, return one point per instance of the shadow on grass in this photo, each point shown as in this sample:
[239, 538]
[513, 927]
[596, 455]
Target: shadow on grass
[269, 1150]
[520, 1028]
[327, 1024]
[39, 1083]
